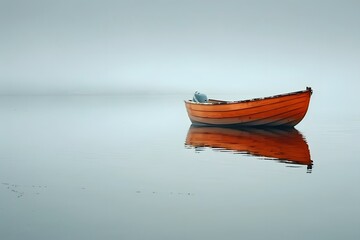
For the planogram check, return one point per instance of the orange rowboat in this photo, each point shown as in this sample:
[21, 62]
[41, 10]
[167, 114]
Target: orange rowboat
[285, 110]
[285, 145]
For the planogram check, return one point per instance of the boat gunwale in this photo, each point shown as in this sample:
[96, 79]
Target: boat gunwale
[299, 99]
[221, 102]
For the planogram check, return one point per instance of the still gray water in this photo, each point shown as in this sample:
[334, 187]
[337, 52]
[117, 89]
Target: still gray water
[102, 167]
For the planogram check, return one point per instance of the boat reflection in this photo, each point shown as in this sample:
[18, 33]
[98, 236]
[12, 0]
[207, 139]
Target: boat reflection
[284, 145]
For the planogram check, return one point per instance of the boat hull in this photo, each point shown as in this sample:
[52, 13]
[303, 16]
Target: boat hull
[285, 110]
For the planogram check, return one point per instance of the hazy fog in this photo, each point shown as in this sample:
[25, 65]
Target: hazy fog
[111, 47]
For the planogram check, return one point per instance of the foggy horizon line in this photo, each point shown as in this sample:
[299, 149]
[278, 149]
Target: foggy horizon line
[115, 93]
[210, 90]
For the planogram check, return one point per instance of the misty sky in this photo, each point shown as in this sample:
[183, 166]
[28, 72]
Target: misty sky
[104, 46]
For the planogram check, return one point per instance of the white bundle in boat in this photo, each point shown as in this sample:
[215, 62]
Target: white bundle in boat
[200, 97]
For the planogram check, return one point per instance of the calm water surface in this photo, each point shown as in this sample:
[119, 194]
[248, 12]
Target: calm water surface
[133, 168]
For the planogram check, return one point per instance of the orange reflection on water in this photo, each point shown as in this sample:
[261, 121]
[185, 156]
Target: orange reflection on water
[285, 145]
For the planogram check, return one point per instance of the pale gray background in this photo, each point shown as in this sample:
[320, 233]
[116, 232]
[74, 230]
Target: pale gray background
[116, 47]
[115, 167]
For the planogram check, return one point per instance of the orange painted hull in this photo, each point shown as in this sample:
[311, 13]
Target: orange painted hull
[285, 110]
[285, 145]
